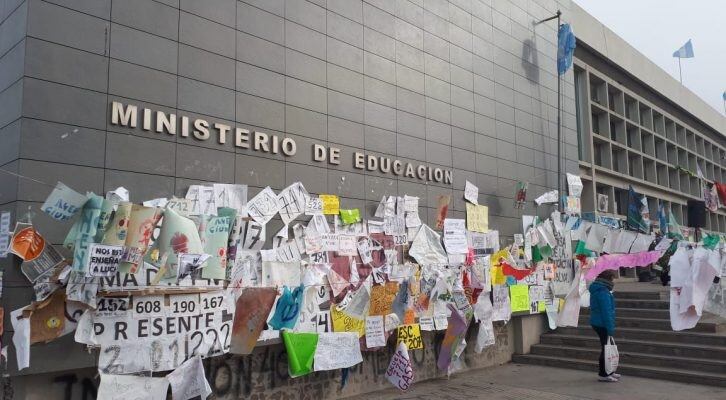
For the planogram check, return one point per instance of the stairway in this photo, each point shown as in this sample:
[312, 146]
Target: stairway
[647, 345]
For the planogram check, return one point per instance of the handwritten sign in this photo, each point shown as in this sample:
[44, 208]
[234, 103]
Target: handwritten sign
[375, 333]
[471, 193]
[382, 297]
[347, 246]
[63, 202]
[400, 369]
[411, 336]
[520, 297]
[293, 201]
[264, 206]
[337, 350]
[331, 204]
[343, 322]
[103, 260]
[477, 218]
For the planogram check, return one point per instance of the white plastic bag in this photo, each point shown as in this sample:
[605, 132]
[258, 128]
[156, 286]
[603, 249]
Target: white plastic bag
[612, 357]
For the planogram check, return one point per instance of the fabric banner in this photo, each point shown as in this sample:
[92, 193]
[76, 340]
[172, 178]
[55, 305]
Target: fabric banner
[615, 261]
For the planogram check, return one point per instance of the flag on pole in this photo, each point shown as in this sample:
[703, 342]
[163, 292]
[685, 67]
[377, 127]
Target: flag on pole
[674, 229]
[686, 51]
[566, 43]
[635, 208]
[662, 219]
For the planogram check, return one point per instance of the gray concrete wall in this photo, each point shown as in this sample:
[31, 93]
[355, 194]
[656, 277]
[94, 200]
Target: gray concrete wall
[264, 374]
[466, 85]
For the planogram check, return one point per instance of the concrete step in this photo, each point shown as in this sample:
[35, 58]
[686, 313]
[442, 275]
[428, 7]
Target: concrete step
[641, 295]
[640, 304]
[659, 324]
[626, 369]
[626, 357]
[700, 338]
[636, 313]
[668, 349]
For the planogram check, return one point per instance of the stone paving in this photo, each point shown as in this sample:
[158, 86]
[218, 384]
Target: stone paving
[517, 382]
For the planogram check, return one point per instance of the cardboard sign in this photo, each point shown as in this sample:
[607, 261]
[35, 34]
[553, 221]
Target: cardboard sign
[410, 335]
[103, 260]
[47, 320]
[253, 307]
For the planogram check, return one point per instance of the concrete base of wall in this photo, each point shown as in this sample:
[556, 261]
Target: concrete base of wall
[527, 330]
[264, 374]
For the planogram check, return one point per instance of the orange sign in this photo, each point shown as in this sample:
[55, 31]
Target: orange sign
[27, 242]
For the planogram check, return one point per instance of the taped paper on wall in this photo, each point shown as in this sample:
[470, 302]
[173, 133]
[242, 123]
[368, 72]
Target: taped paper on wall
[337, 350]
[127, 387]
[188, 381]
[263, 206]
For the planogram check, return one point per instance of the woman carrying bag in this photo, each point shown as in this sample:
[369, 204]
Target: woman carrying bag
[602, 320]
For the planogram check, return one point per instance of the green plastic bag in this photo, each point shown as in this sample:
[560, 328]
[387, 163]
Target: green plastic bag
[300, 351]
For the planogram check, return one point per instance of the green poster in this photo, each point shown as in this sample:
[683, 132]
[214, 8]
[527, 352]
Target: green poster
[350, 216]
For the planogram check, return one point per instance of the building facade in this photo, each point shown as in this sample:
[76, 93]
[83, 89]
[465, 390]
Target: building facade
[637, 126]
[467, 88]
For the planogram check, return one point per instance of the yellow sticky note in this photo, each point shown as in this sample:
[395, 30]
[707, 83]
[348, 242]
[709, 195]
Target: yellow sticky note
[411, 335]
[343, 322]
[331, 204]
[541, 306]
[477, 218]
[519, 295]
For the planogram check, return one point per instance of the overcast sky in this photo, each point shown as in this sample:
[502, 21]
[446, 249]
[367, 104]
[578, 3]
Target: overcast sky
[657, 28]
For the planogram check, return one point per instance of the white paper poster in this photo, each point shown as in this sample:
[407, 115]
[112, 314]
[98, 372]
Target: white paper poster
[63, 202]
[293, 202]
[21, 338]
[131, 387]
[574, 183]
[337, 350]
[471, 193]
[347, 245]
[188, 381]
[455, 236]
[426, 247]
[375, 334]
[400, 369]
[203, 200]
[501, 305]
[103, 260]
[264, 206]
[232, 196]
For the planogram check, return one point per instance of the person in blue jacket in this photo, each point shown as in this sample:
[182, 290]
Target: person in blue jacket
[602, 316]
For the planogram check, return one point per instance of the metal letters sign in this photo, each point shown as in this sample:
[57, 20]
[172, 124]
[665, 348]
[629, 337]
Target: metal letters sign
[160, 122]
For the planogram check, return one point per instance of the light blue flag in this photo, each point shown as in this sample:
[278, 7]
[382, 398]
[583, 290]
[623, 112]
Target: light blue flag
[566, 43]
[686, 51]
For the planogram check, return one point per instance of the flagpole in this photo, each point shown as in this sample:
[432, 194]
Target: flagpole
[558, 16]
[680, 74]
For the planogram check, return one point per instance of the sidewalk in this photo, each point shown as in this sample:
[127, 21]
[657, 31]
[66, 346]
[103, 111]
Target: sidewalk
[515, 381]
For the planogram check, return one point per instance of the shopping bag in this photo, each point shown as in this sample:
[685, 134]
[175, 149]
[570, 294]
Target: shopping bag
[612, 357]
